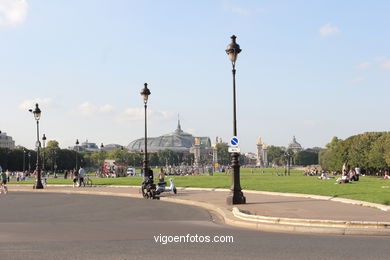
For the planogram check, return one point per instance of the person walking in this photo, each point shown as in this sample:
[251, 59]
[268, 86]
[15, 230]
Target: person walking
[74, 176]
[81, 176]
[3, 180]
[357, 171]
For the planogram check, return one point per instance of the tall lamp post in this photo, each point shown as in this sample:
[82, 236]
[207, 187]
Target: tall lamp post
[101, 157]
[37, 116]
[236, 196]
[77, 151]
[29, 162]
[55, 163]
[43, 152]
[24, 160]
[148, 188]
[288, 155]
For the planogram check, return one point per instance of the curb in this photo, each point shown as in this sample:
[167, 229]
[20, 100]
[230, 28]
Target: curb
[382, 227]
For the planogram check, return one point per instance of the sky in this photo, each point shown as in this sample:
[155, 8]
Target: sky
[309, 69]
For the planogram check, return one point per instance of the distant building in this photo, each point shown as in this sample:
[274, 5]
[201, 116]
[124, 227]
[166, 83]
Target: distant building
[112, 147]
[178, 141]
[6, 141]
[86, 147]
[262, 154]
[294, 146]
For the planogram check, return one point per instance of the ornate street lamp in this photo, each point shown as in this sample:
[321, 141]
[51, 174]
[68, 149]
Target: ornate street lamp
[77, 151]
[236, 196]
[288, 156]
[29, 162]
[43, 152]
[101, 158]
[24, 160]
[55, 164]
[37, 116]
[148, 187]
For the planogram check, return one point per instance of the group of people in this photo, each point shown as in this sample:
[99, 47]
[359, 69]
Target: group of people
[78, 176]
[348, 176]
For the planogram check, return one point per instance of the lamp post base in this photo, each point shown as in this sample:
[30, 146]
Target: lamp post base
[38, 186]
[236, 197]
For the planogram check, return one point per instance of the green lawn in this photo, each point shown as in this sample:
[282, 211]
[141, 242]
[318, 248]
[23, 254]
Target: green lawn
[370, 189]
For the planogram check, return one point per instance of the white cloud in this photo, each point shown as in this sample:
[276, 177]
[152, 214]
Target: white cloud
[379, 59]
[133, 114]
[363, 65]
[240, 11]
[30, 103]
[107, 108]
[12, 12]
[89, 109]
[327, 29]
[138, 114]
[386, 64]
[358, 80]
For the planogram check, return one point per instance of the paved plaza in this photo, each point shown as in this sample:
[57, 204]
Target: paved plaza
[52, 225]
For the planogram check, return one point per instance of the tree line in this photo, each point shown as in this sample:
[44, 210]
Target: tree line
[277, 155]
[52, 156]
[370, 151]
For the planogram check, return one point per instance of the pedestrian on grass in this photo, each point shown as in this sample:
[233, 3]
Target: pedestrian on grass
[357, 171]
[81, 176]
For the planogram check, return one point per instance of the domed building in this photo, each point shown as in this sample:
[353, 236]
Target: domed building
[294, 146]
[178, 141]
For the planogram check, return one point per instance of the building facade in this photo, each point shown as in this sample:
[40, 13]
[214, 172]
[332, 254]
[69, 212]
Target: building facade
[294, 146]
[6, 141]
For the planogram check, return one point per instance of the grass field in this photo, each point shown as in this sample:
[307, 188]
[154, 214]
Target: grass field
[370, 189]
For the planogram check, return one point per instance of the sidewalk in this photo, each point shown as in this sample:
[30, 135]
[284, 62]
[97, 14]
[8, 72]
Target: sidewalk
[275, 212]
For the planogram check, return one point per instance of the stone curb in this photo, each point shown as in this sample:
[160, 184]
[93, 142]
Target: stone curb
[311, 222]
[274, 224]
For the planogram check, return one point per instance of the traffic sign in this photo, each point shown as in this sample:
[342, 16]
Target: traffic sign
[235, 149]
[234, 141]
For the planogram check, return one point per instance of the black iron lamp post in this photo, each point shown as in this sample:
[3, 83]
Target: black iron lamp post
[288, 155]
[29, 162]
[148, 188]
[37, 116]
[43, 152]
[24, 159]
[236, 196]
[55, 164]
[101, 157]
[77, 151]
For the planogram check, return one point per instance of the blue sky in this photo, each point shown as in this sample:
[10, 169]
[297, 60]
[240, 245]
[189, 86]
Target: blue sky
[313, 69]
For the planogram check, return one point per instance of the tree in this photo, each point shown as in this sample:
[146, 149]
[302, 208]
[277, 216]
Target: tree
[306, 158]
[224, 156]
[51, 154]
[370, 151]
[275, 154]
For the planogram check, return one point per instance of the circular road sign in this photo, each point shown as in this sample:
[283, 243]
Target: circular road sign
[234, 141]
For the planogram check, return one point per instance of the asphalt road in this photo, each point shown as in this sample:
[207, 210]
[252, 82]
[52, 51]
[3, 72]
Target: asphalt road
[70, 226]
